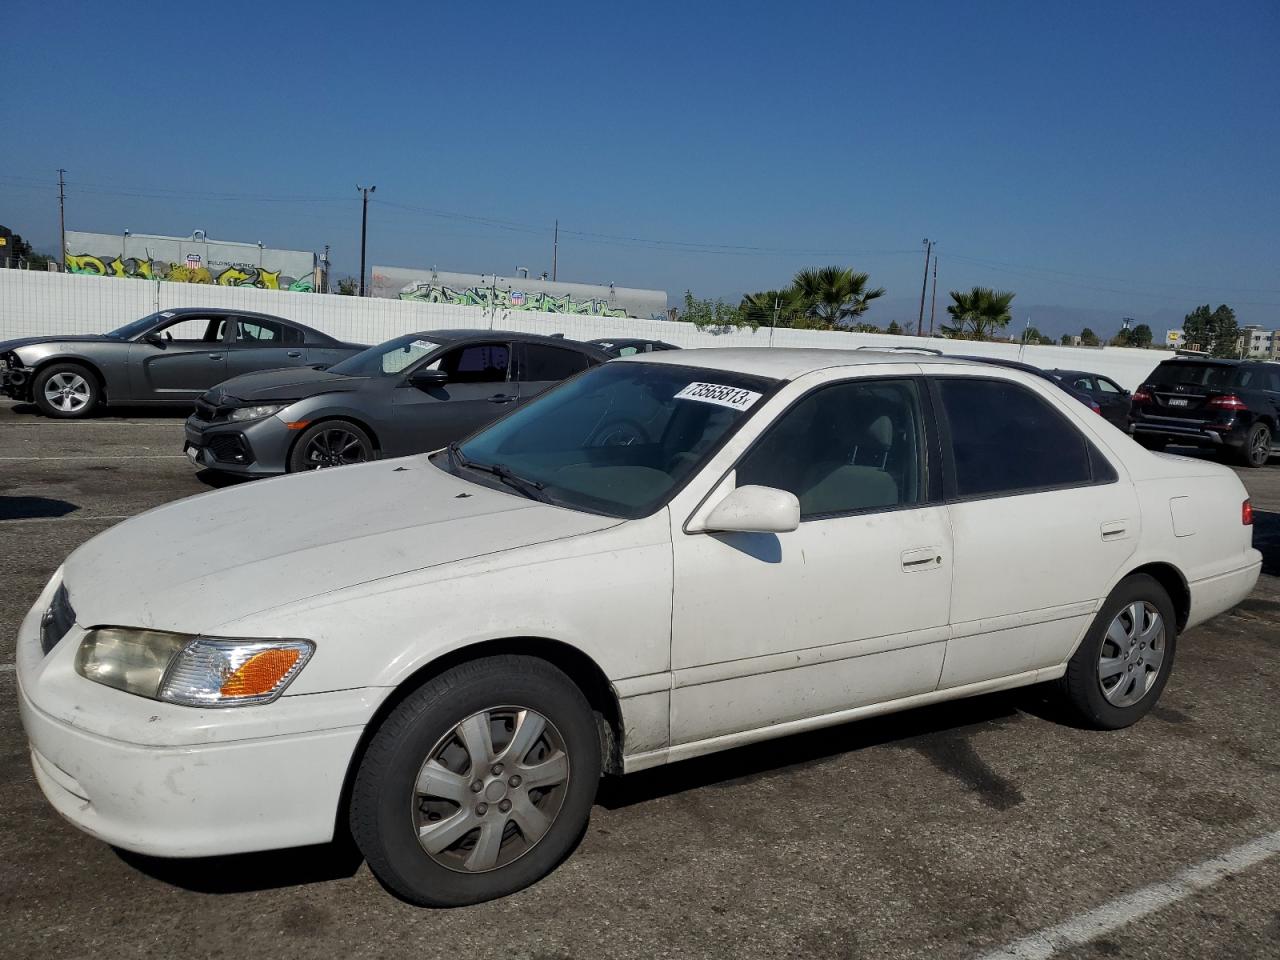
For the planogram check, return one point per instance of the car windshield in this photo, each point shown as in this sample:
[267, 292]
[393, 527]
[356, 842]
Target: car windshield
[386, 359]
[618, 439]
[1211, 375]
[135, 327]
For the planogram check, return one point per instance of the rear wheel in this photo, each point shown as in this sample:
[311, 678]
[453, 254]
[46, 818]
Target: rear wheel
[334, 443]
[66, 391]
[1123, 664]
[1257, 446]
[478, 784]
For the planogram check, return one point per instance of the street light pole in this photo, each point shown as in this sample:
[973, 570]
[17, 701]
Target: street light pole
[364, 229]
[62, 219]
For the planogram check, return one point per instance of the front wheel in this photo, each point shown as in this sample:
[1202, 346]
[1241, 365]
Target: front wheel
[1257, 446]
[333, 443]
[66, 391]
[1123, 664]
[478, 784]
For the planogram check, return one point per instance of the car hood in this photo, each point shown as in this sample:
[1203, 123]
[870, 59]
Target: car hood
[291, 383]
[194, 564]
[7, 345]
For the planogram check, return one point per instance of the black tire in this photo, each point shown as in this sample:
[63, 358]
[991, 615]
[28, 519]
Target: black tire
[1152, 443]
[80, 395]
[1082, 687]
[1257, 446]
[382, 812]
[357, 448]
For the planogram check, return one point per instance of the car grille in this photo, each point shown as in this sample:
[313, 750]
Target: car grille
[57, 620]
[230, 448]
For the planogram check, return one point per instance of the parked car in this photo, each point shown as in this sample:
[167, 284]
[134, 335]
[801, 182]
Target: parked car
[626, 347]
[433, 652]
[408, 395]
[1232, 406]
[1112, 399]
[168, 357]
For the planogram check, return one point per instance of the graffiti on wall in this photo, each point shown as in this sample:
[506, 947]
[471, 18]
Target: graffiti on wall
[234, 275]
[508, 300]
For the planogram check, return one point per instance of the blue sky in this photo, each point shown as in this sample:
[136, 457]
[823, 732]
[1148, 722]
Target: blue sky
[1114, 157]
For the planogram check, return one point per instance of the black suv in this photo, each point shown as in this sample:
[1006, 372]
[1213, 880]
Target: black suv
[1230, 405]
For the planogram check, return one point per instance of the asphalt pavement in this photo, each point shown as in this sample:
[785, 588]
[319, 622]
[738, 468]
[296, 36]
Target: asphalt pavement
[973, 829]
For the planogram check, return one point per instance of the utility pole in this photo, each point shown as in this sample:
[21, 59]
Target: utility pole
[62, 219]
[364, 229]
[555, 250]
[933, 307]
[324, 277]
[924, 284]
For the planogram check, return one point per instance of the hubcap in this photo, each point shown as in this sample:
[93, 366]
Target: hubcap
[334, 448]
[1132, 653]
[1261, 445]
[490, 789]
[67, 392]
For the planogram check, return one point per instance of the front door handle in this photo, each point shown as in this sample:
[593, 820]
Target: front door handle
[215, 356]
[294, 353]
[921, 558]
[501, 398]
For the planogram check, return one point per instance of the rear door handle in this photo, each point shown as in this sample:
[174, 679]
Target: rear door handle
[501, 398]
[294, 353]
[921, 558]
[215, 356]
[1114, 529]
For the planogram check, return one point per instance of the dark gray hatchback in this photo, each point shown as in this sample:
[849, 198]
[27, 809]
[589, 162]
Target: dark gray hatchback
[412, 394]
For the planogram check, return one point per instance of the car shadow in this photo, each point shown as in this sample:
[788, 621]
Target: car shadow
[217, 479]
[34, 508]
[141, 412]
[924, 728]
[249, 872]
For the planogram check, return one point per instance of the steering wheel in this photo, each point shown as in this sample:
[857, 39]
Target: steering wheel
[619, 433]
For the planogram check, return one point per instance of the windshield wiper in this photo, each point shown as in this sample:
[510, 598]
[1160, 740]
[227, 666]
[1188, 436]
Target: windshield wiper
[526, 485]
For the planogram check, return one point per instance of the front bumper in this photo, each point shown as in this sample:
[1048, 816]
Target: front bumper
[257, 448]
[1204, 433]
[182, 782]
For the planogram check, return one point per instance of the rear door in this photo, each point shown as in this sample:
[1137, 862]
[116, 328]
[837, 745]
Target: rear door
[258, 343]
[479, 390]
[1042, 521]
[190, 358]
[1113, 400]
[543, 366]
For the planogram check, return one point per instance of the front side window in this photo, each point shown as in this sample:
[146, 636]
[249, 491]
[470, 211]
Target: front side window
[618, 440]
[192, 330]
[1007, 439]
[846, 447]
[543, 363]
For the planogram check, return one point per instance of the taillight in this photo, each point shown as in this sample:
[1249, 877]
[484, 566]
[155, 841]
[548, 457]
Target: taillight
[1228, 402]
[1246, 513]
[1142, 395]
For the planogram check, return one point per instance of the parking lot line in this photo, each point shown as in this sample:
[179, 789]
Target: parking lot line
[1111, 916]
[138, 456]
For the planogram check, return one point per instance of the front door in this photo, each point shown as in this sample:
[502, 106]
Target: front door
[849, 609]
[478, 391]
[1042, 521]
[190, 357]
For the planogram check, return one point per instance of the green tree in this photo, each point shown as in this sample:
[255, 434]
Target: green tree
[894, 328]
[1088, 338]
[1033, 335]
[713, 313]
[1140, 336]
[760, 309]
[978, 313]
[347, 287]
[1214, 331]
[830, 297]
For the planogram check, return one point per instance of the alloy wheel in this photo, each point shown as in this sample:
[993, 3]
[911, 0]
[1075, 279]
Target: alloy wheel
[1132, 653]
[67, 392]
[1260, 448]
[335, 447]
[490, 789]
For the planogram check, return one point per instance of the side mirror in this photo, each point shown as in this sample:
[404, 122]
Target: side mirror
[753, 509]
[154, 339]
[425, 379]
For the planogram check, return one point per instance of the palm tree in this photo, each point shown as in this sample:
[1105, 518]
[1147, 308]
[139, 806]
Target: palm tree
[771, 308]
[979, 313]
[830, 296]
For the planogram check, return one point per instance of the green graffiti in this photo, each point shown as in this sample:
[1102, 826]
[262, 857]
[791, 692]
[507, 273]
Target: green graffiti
[508, 300]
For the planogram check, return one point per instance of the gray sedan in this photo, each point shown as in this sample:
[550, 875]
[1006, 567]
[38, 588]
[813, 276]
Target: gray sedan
[408, 395]
[169, 357]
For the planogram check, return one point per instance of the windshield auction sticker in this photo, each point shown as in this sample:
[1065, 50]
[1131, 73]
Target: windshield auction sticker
[733, 397]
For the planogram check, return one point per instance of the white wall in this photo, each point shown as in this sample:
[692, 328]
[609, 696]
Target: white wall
[36, 303]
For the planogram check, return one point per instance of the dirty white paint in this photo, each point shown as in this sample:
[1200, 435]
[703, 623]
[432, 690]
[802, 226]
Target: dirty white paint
[1111, 916]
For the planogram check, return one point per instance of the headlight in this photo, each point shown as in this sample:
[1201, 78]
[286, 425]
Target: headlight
[193, 671]
[255, 413]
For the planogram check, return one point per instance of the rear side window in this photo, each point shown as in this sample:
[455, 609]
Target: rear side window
[477, 363]
[543, 363]
[1006, 439]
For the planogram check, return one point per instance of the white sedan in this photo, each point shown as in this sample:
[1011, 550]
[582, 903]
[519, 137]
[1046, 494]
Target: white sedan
[664, 557]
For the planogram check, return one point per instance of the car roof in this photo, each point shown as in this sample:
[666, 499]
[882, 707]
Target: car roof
[480, 333]
[787, 363]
